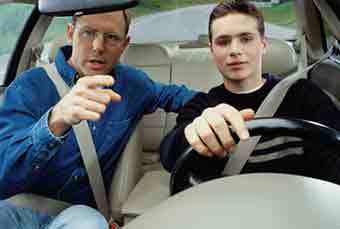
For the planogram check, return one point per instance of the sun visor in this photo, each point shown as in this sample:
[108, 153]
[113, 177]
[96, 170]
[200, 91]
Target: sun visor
[69, 8]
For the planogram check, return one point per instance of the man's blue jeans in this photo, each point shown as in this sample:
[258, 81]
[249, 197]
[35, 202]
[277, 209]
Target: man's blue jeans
[77, 216]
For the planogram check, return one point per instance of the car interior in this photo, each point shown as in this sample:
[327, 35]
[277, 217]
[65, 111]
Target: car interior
[140, 182]
[168, 65]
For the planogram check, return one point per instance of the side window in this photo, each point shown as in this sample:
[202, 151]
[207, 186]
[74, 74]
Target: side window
[12, 20]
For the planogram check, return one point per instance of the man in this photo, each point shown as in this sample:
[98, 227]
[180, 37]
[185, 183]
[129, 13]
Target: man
[38, 150]
[237, 43]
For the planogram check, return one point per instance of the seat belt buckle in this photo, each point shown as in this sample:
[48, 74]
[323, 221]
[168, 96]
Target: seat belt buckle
[113, 224]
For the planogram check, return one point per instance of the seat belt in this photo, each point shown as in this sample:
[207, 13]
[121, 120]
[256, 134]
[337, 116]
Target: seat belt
[270, 104]
[86, 146]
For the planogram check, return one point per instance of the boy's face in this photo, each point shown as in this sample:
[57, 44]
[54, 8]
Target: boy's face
[98, 41]
[237, 47]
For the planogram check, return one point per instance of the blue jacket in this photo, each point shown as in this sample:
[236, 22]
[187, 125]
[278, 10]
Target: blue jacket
[33, 160]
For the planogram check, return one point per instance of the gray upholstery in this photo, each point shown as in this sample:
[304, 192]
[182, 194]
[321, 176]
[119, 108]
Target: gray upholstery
[154, 187]
[127, 173]
[327, 75]
[280, 58]
[154, 60]
[54, 46]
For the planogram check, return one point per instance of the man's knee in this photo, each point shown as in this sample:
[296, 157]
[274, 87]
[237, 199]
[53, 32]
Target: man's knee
[79, 216]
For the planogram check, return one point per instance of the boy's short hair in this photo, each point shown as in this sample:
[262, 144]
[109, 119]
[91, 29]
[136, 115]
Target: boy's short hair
[126, 14]
[236, 6]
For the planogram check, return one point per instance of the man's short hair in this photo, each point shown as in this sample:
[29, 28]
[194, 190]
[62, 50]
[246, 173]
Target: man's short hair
[126, 15]
[236, 6]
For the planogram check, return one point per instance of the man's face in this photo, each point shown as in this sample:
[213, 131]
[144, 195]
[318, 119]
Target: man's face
[98, 41]
[237, 47]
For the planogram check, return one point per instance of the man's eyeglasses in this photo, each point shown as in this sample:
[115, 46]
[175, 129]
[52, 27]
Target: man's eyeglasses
[89, 34]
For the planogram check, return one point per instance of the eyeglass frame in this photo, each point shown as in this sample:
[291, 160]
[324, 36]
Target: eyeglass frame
[93, 33]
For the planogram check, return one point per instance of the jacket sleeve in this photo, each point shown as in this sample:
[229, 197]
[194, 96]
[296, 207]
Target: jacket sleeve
[26, 143]
[169, 97]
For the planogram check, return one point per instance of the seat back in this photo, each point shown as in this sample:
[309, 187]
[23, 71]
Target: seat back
[326, 75]
[155, 60]
[280, 58]
[46, 53]
[127, 174]
[195, 68]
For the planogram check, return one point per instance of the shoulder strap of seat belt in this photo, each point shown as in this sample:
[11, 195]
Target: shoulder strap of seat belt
[86, 145]
[243, 150]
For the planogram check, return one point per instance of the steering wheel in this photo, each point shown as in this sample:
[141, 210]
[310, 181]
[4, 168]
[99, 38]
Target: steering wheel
[184, 176]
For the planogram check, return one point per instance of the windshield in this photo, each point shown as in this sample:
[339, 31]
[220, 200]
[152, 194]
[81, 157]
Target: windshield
[158, 21]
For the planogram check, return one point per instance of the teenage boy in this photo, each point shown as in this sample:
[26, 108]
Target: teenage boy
[238, 43]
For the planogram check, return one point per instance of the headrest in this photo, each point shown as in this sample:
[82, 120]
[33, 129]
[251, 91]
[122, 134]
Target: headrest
[280, 58]
[54, 46]
[146, 55]
[50, 49]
